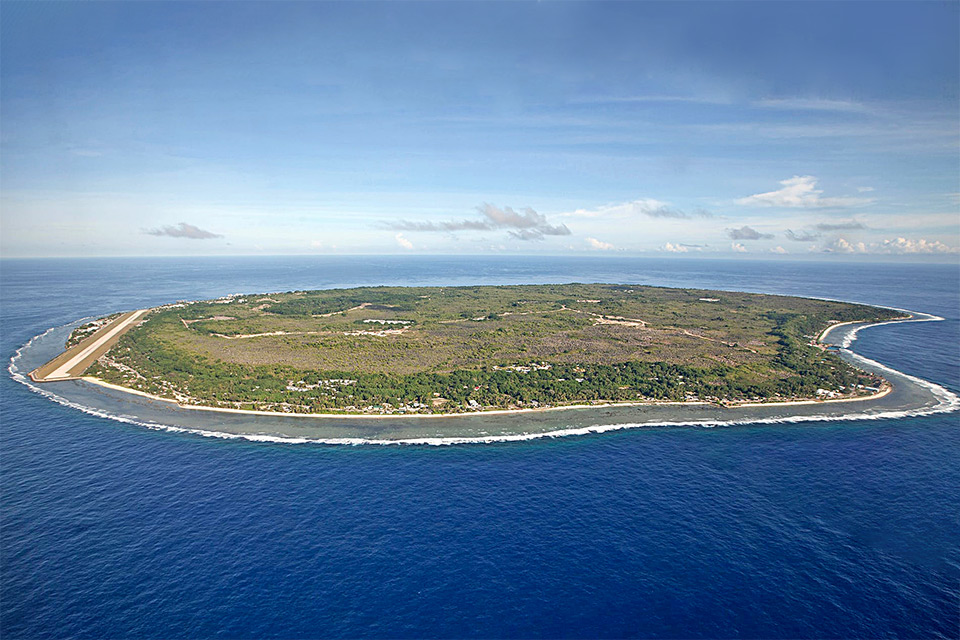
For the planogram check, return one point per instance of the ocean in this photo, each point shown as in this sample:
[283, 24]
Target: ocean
[815, 529]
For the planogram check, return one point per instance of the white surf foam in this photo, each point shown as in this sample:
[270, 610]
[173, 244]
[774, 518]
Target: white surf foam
[851, 336]
[947, 401]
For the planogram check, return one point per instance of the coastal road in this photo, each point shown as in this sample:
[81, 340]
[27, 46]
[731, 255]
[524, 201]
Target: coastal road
[75, 360]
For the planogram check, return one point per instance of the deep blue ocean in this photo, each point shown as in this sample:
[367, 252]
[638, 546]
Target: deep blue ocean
[811, 530]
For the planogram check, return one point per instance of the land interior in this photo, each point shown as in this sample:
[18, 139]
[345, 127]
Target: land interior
[449, 350]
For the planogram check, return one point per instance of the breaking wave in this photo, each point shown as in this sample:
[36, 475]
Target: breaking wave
[947, 401]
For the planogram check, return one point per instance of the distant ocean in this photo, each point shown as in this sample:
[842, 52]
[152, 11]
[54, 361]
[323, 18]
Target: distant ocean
[819, 529]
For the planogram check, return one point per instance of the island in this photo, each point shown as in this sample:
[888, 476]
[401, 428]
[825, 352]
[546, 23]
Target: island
[440, 351]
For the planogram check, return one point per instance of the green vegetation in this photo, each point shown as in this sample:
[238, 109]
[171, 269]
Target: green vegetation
[88, 329]
[453, 349]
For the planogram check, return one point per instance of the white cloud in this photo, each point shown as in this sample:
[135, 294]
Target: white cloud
[903, 245]
[747, 233]
[778, 249]
[643, 207]
[403, 242]
[800, 191]
[736, 247]
[841, 245]
[865, 189]
[674, 248]
[890, 246]
[183, 230]
[600, 245]
[525, 225]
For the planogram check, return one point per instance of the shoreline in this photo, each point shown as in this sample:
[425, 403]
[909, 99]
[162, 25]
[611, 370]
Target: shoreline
[884, 390]
[509, 425]
[910, 317]
[887, 388]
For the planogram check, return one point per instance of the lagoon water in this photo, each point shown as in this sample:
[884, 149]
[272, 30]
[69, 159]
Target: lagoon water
[818, 529]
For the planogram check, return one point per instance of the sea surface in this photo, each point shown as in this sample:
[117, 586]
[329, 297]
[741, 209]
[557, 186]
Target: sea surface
[816, 529]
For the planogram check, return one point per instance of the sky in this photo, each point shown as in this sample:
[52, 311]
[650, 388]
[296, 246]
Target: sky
[724, 129]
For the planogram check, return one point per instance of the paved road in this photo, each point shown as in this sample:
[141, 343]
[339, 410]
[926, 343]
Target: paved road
[87, 351]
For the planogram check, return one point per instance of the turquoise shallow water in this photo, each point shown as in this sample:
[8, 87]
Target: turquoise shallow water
[794, 530]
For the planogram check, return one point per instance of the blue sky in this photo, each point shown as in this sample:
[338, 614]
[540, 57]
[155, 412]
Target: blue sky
[798, 129]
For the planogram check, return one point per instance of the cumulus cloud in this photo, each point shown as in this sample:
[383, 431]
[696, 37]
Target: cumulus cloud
[747, 233]
[801, 236]
[778, 249]
[522, 225]
[737, 247]
[600, 245]
[890, 246]
[403, 242]
[903, 245]
[183, 230]
[801, 191]
[846, 225]
[644, 207]
[840, 245]
[682, 247]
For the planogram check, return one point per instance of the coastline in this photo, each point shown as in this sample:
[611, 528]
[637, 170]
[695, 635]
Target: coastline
[910, 317]
[904, 396]
[887, 388]
[282, 408]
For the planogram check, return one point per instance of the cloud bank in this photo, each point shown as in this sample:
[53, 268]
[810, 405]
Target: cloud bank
[183, 230]
[903, 245]
[522, 225]
[644, 207]
[890, 246]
